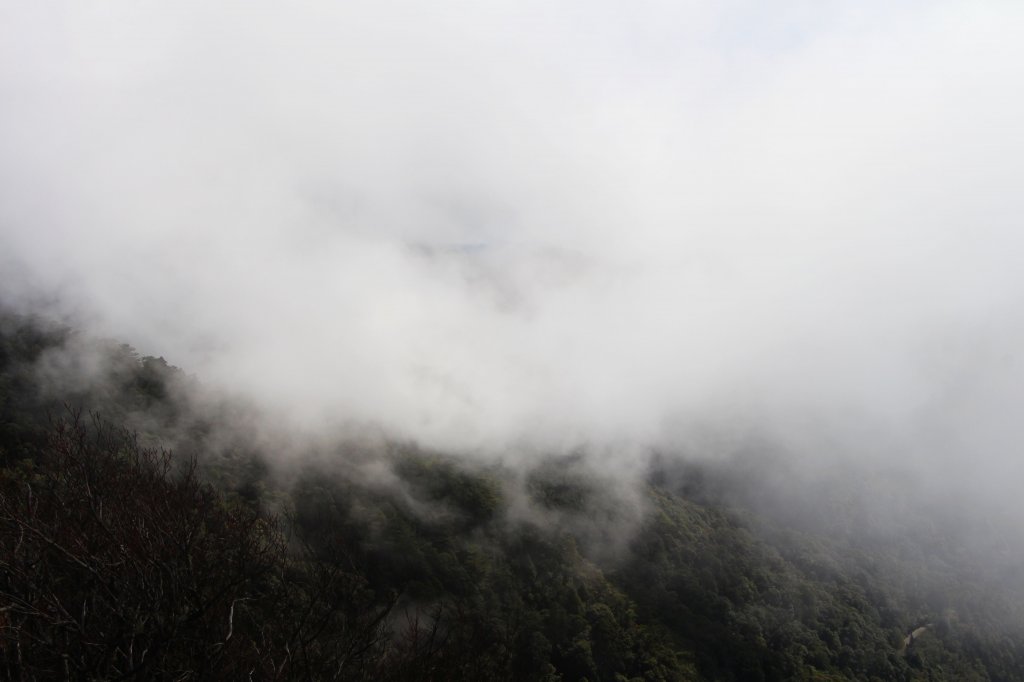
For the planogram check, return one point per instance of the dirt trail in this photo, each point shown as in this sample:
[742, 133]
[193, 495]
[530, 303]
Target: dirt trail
[909, 639]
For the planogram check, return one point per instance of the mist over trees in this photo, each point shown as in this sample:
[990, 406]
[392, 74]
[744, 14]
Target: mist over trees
[521, 340]
[381, 560]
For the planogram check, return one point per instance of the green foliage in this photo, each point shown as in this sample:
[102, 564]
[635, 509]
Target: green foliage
[395, 563]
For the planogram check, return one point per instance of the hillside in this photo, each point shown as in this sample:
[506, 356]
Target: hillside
[227, 558]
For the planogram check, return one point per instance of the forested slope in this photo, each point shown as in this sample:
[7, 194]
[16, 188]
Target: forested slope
[379, 560]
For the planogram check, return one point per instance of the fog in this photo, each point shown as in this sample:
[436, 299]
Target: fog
[500, 227]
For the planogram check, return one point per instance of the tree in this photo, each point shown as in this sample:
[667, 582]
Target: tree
[116, 561]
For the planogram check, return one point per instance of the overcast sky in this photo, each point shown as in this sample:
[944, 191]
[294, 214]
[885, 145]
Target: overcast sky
[483, 224]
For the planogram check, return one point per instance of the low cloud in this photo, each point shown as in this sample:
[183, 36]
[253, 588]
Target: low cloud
[519, 225]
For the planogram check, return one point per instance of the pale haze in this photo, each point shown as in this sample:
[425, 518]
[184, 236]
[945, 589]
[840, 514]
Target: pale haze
[495, 225]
